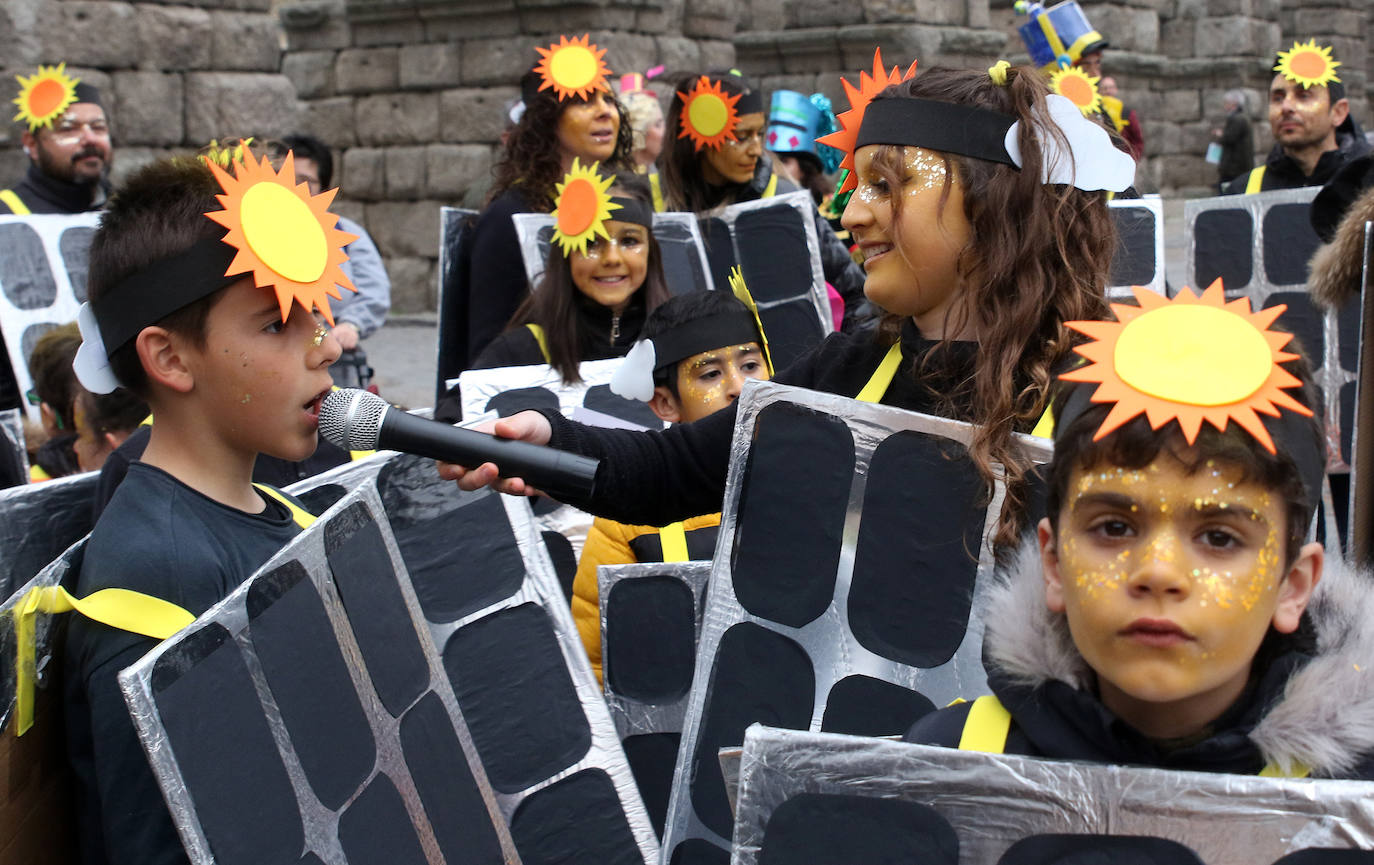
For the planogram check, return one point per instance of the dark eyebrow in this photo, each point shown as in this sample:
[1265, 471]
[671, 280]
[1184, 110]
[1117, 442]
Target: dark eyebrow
[1103, 499]
[1218, 509]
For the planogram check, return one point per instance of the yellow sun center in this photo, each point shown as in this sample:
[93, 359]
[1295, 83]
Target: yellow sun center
[1193, 354]
[282, 231]
[574, 67]
[708, 114]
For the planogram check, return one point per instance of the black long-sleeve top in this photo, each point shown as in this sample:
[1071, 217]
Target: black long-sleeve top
[657, 478]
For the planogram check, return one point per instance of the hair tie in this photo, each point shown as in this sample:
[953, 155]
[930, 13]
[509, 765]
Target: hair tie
[998, 72]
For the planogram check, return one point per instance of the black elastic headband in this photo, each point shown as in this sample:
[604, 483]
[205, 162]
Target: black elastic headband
[162, 288]
[633, 210]
[1291, 432]
[750, 102]
[945, 126]
[710, 332]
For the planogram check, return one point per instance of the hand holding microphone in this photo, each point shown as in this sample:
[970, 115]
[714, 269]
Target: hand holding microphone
[358, 420]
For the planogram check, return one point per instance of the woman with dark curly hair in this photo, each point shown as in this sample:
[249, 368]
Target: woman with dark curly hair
[562, 121]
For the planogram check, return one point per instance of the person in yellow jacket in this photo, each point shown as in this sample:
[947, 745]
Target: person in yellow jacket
[696, 352]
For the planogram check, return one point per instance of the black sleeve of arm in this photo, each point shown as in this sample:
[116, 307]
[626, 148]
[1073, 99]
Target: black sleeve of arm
[496, 277]
[943, 727]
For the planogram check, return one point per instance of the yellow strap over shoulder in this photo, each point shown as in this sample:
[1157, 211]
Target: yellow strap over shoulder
[14, 203]
[1255, 181]
[772, 188]
[119, 608]
[1044, 428]
[656, 191]
[1272, 771]
[986, 727]
[882, 376]
[673, 538]
[299, 515]
[541, 338]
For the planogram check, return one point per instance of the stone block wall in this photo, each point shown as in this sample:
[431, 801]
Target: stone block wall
[411, 94]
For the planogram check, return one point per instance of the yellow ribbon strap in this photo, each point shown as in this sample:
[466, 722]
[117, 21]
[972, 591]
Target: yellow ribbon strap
[119, 608]
[1256, 182]
[882, 376]
[772, 188]
[673, 538]
[986, 727]
[14, 203]
[1044, 428]
[1272, 771]
[656, 191]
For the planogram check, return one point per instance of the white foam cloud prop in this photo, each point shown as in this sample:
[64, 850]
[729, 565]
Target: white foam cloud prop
[1092, 163]
[634, 378]
[92, 363]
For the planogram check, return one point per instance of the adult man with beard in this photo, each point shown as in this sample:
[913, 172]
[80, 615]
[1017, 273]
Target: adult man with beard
[1314, 134]
[69, 158]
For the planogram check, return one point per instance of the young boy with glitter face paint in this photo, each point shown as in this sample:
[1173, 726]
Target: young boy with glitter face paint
[183, 314]
[696, 353]
[1173, 621]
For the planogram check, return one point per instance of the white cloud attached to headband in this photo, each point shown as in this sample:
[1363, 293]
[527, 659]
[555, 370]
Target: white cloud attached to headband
[634, 378]
[1092, 163]
[92, 363]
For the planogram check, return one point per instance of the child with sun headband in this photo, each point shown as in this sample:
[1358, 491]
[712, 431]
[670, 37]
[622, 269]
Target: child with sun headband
[695, 354]
[1168, 611]
[209, 294]
[569, 113]
[604, 274]
[979, 205]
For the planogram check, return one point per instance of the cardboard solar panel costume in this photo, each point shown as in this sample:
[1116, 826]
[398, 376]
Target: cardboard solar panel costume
[833, 800]
[1258, 246]
[1139, 258]
[376, 696]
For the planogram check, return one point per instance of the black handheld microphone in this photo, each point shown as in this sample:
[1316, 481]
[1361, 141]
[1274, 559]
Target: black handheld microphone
[359, 420]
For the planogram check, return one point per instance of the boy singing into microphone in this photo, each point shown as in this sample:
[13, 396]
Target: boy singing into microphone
[204, 286]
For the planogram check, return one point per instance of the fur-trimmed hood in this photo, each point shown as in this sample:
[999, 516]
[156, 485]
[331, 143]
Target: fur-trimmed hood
[1337, 267]
[1323, 716]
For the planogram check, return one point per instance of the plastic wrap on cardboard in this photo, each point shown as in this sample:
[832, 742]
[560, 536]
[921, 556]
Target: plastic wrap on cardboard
[38, 522]
[374, 679]
[990, 802]
[43, 260]
[14, 459]
[847, 588]
[42, 631]
[1139, 258]
[679, 239]
[1259, 246]
[668, 600]
[451, 343]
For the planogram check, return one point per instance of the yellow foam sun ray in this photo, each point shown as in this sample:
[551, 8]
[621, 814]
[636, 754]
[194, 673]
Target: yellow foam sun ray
[572, 67]
[44, 95]
[845, 137]
[1078, 87]
[581, 207]
[1308, 64]
[708, 115]
[285, 237]
[1193, 359]
[741, 292]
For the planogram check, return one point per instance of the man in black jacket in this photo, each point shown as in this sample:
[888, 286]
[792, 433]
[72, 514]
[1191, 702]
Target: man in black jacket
[69, 159]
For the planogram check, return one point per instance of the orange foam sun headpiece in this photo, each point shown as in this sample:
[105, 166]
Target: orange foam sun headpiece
[1078, 87]
[850, 121]
[708, 115]
[285, 237]
[44, 95]
[1192, 359]
[572, 67]
[581, 207]
[1308, 64]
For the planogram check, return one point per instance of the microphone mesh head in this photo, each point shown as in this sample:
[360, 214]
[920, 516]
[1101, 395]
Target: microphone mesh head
[352, 419]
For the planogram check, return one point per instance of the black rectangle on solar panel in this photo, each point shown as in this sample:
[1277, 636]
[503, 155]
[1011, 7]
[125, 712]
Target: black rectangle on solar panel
[225, 751]
[1225, 242]
[577, 820]
[835, 829]
[377, 612]
[1289, 242]
[1134, 260]
[516, 695]
[375, 828]
[651, 625]
[306, 672]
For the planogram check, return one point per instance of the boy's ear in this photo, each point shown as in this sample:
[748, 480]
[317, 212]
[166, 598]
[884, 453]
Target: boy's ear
[665, 405]
[1298, 584]
[162, 354]
[1049, 566]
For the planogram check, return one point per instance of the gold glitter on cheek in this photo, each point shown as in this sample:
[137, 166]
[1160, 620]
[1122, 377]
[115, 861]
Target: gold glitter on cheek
[247, 398]
[320, 334]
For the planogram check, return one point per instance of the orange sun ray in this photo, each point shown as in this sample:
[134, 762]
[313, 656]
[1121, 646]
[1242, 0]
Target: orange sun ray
[708, 115]
[1194, 359]
[844, 139]
[285, 237]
